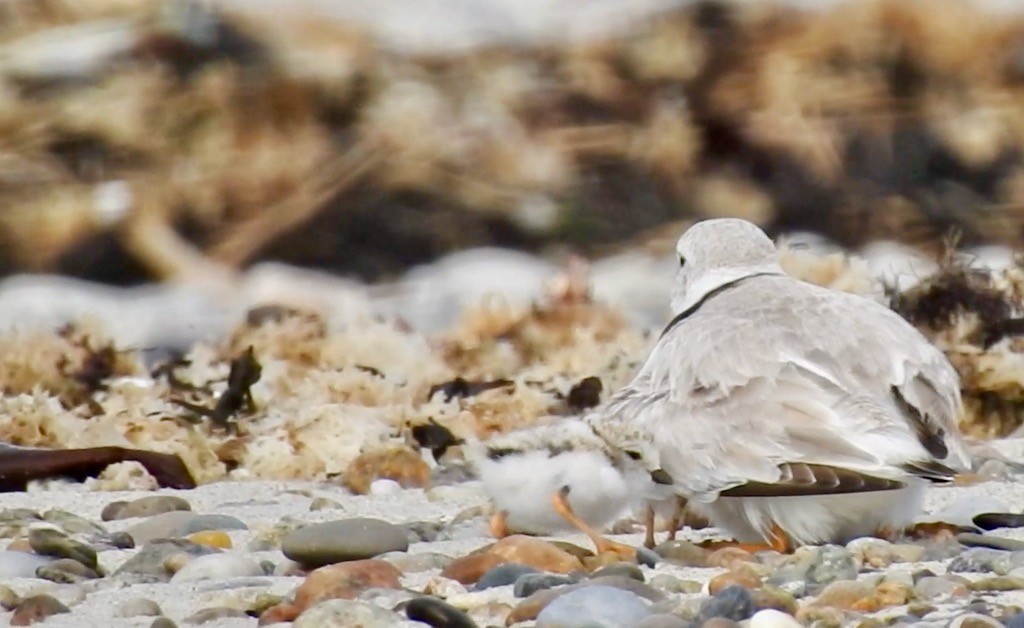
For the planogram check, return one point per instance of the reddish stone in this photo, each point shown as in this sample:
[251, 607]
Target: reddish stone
[343, 581]
[469, 569]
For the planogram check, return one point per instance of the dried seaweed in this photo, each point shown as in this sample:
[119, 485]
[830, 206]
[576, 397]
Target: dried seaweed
[460, 387]
[952, 293]
[585, 394]
[245, 371]
[236, 137]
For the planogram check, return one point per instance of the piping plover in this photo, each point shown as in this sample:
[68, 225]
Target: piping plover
[785, 412]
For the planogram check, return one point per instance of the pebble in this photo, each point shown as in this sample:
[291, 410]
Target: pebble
[683, 553]
[211, 538]
[323, 503]
[528, 584]
[344, 540]
[434, 612]
[48, 540]
[72, 523]
[215, 613]
[66, 571]
[143, 507]
[530, 607]
[994, 520]
[879, 553]
[742, 576]
[413, 563]
[443, 587]
[20, 564]
[339, 581]
[537, 553]
[37, 608]
[647, 557]
[627, 570]
[672, 584]
[663, 620]
[148, 564]
[942, 549]
[885, 595]
[218, 567]
[719, 622]
[771, 618]
[386, 598]
[844, 594]
[345, 614]
[729, 557]
[393, 462]
[139, 607]
[594, 607]
[974, 620]
[773, 598]
[1017, 621]
[179, 523]
[934, 587]
[988, 540]
[733, 602]
[975, 560]
[503, 575]
[199, 523]
[8, 598]
[161, 526]
[997, 583]
[816, 566]
[384, 486]
[422, 531]
[163, 622]
[469, 569]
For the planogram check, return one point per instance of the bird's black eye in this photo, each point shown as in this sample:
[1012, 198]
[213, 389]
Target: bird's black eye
[633, 455]
[682, 261]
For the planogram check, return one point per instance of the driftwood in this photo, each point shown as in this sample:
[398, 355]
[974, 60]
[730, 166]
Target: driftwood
[20, 465]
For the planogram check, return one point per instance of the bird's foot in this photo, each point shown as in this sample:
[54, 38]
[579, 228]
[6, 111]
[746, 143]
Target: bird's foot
[936, 531]
[778, 541]
[560, 502]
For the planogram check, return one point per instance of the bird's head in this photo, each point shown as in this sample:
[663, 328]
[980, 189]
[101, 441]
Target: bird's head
[713, 253]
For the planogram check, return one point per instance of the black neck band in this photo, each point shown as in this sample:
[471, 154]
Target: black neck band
[720, 289]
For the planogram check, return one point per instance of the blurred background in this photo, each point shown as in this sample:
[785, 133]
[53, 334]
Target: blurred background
[166, 163]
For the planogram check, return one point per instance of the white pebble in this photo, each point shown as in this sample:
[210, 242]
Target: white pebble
[217, 567]
[962, 510]
[771, 618]
[20, 564]
[384, 486]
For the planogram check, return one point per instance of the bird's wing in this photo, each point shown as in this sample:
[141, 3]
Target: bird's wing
[777, 372]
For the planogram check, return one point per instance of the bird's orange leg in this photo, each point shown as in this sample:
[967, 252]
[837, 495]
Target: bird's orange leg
[778, 541]
[887, 533]
[649, 525]
[561, 504]
[677, 519]
[499, 524]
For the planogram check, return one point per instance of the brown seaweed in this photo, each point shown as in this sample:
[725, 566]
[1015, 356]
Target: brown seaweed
[245, 371]
[461, 387]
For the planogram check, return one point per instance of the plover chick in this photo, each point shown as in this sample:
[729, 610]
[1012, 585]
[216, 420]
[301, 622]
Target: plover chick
[551, 477]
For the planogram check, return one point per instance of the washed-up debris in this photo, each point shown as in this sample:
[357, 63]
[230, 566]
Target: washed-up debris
[21, 465]
[460, 387]
[435, 437]
[245, 371]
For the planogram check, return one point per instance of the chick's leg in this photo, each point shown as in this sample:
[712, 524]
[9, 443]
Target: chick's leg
[560, 501]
